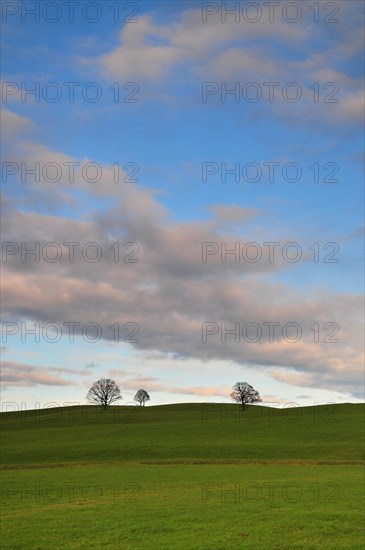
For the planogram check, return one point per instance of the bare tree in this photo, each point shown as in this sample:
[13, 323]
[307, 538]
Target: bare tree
[141, 397]
[244, 393]
[103, 392]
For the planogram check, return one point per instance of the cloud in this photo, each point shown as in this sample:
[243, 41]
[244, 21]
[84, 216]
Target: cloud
[353, 106]
[151, 51]
[170, 293]
[140, 52]
[152, 384]
[12, 123]
[162, 54]
[345, 380]
[60, 176]
[24, 375]
[206, 391]
[128, 381]
[232, 212]
[293, 379]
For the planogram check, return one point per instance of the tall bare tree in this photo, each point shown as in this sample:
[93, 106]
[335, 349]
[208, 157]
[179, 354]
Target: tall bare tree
[103, 392]
[244, 393]
[141, 397]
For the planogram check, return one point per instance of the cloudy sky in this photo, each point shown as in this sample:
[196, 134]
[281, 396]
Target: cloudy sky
[182, 200]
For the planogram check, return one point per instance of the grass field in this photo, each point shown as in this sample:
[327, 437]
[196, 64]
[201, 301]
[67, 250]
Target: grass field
[190, 476]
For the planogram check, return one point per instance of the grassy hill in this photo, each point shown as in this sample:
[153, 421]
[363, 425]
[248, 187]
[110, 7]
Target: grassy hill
[187, 476]
[183, 432]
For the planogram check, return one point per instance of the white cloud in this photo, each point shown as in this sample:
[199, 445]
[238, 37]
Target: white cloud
[22, 374]
[13, 124]
[165, 55]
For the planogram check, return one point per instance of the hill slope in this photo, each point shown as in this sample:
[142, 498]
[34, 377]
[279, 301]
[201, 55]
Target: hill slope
[183, 432]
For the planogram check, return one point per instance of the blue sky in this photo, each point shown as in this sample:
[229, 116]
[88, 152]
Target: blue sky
[165, 140]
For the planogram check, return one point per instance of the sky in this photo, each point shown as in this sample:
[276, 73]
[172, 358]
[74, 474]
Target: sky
[182, 200]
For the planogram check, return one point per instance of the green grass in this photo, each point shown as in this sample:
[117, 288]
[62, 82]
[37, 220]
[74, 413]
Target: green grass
[182, 432]
[188, 476]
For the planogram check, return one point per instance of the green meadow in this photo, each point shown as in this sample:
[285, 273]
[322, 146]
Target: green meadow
[186, 476]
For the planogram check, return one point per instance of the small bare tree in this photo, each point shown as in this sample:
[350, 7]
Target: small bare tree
[244, 393]
[141, 397]
[103, 392]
